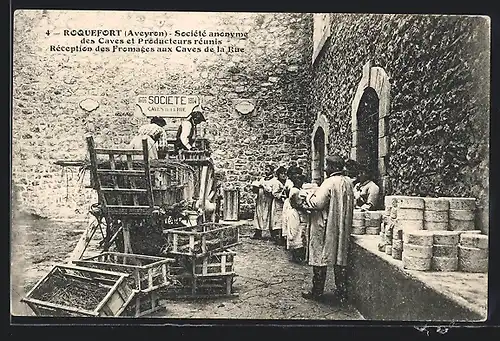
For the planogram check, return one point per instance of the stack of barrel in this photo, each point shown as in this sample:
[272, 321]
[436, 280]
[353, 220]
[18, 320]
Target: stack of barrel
[436, 214]
[473, 252]
[358, 222]
[417, 250]
[445, 251]
[462, 214]
[373, 220]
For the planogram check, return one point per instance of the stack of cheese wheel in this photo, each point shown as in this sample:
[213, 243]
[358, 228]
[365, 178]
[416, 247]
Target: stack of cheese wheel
[388, 239]
[436, 214]
[372, 222]
[383, 241]
[358, 222]
[473, 252]
[462, 214]
[387, 209]
[417, 250]
[397, 243]
[410, 213]
[445, 251]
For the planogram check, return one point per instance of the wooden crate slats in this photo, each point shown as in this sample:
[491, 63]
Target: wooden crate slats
[146, 272]
[62, 278]
[201, 239]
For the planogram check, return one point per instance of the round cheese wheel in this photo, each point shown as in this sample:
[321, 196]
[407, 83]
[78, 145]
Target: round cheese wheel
[461, 203]
[410, 214]
[444, 263]
[409, 202]
[461, 225]
[397, 244]
[416, 263]
[472, 253]
[436, 204]
[417, 250]
[389, 230]
[388, 250]
[385, 218]
[445, 250]
[410, 225]
[372, 222]
[471, 231]
[372, 230]
[479, 241]
[435, 226]
[358, 223]
[472, 259]
[358, 215]
[461, 215]
[382, 227]
[446, 237]
[421, 238]
[358, 230]
[373, 215]
[397, 253]
[436, 216]
[381, 247]
[397, 234]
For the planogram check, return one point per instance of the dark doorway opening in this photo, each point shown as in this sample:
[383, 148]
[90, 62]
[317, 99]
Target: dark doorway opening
[368, 134]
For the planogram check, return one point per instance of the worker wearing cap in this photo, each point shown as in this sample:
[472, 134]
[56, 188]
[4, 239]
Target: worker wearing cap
[331, 206]
[187, 129]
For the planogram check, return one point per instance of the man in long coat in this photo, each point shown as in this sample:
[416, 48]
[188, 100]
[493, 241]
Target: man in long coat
[331, 206]
[263, 204]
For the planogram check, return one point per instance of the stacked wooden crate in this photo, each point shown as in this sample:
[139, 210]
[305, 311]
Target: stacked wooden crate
[147, 276]
[204, 262]
[74, 291]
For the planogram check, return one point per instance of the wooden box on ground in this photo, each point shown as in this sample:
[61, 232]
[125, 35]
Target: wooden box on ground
[69, 290]
[146, 272]
[201, 287]
[142, 304]
[218, 263]
[201, 240]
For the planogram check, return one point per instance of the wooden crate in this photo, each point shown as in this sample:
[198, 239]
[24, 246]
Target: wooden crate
[201, 287]
[146, 272]
[201, 240]
[69, 290]
[219, 263]
[142, 304]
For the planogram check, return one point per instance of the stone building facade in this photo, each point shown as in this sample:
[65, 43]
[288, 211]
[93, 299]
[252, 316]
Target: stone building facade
[408, 95]
[49, 123]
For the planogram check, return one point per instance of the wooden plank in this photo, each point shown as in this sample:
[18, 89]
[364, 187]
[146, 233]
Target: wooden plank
[84, 241]
[59, 307]
[93, 168]
[132, 180]
[125, 190]
[147, 170]
[118, 151]
[126, 172]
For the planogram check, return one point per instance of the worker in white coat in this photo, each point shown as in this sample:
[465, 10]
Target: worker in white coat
[331, 206]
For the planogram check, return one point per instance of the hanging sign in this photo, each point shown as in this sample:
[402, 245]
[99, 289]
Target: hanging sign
[167, 105]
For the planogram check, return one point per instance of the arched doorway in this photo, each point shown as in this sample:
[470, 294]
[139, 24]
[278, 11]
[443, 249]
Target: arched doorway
[371, 136]
[318, 157]
[368, 135]
[319, 148]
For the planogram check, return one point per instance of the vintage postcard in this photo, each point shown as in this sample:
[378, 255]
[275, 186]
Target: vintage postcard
[273, 166]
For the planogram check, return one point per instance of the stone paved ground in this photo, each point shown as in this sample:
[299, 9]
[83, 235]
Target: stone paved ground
[268, 284]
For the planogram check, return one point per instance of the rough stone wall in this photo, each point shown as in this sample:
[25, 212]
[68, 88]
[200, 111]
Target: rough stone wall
[48, 123]
[439, 109]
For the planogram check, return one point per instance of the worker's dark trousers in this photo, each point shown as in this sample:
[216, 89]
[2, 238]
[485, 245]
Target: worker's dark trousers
[319, 279]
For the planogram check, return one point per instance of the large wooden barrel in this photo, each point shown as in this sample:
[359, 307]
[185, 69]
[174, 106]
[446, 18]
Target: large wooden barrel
[231, 205]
